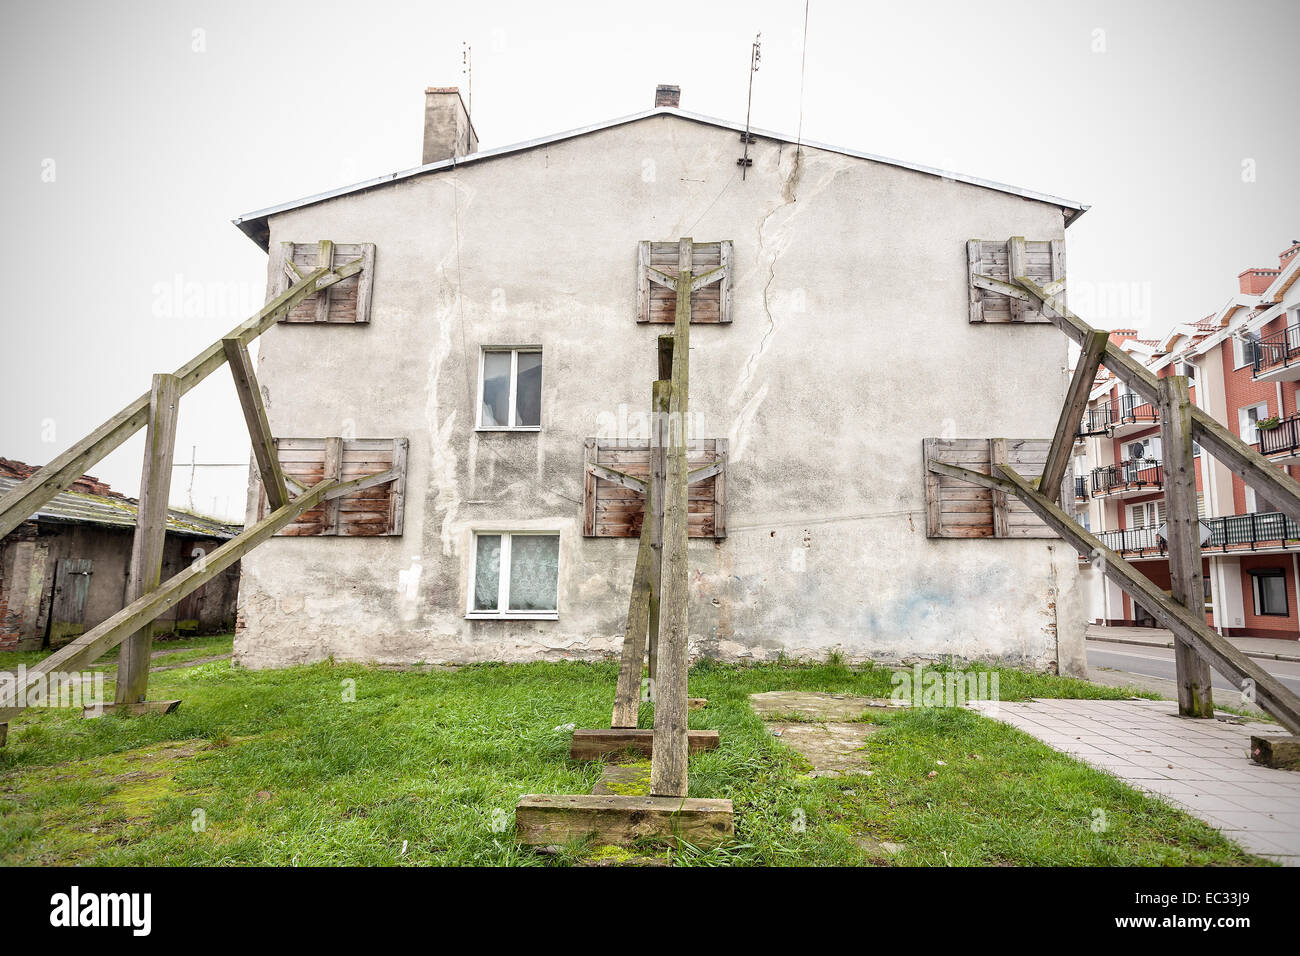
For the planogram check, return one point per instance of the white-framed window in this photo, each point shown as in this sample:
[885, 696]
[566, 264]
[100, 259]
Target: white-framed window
[515, 574]
[1251, 504]
[1246, 419]
[510, 389]
[1270, 592]
[1146, 514]
[1243, 352]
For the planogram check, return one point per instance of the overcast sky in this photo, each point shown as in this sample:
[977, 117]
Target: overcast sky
[135, 131]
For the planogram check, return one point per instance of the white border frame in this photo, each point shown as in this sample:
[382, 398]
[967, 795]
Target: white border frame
[512, 398]
[503, 612]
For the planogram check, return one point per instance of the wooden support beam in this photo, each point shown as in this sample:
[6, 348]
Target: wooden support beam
[1016, 266]
[669, 761]
[1183, 533]
[548, 819]
[620, 478]
[705, 472]
[259, 429]
[998, 456]
[1280, 753]
[1067, 426]
[1270, 693]
[137, 709]
[333, 468]
[627, 695]
[324, 259]
[659, 428]
[90, 646]
[25, 498]
[707, 278]
[597, 744]
[1268, 480]
[145, 571]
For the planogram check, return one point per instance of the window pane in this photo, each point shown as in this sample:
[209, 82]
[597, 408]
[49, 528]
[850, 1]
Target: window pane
[1272, 593]
[496, 388]
[487, 572]
[534, 571]
[528, 404]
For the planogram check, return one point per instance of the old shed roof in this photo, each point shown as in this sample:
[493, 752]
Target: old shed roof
[254, 224]
[76, 507]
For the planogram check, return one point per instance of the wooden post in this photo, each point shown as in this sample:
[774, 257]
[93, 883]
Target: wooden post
[1067, 426]
[259, 429]
[668, 763]
[150, 532]
[627, 696]
[659, 437]
[998, 456]
[1195, 698]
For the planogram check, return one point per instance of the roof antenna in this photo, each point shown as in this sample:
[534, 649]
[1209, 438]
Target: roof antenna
[755, 55]
[467, 68]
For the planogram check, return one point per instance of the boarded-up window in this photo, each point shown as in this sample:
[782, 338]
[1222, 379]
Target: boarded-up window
[613, 511]
[656, 303]
[960, 509]
[361, 513]
[1044, 264]
[345, 302]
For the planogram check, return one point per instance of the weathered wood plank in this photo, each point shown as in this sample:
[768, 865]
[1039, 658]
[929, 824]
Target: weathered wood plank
[595, 744]
[145, 571]
[669, 760]
[259, 428]
[546, 819]
[1067, 426]
[1281, 753]
[1195, 698]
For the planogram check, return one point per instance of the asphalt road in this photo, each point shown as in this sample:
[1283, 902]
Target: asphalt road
[1158, 662]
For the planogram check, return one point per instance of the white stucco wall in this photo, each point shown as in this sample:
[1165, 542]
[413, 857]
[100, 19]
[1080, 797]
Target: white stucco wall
[825, 408]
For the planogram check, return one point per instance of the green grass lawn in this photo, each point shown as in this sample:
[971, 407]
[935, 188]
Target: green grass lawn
[275, 767]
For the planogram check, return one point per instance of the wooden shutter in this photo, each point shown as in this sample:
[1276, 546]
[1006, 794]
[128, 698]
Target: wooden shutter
[345, 302]
[960, 509]
[367, 512]
[657, 304]
[1044, 263]
[612, 511]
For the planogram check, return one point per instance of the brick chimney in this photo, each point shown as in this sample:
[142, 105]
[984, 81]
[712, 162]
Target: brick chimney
[1255, 281]
[1288, 254]
[448, 132]
[668, 96]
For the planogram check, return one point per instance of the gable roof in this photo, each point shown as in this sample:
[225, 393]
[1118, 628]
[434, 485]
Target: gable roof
[254, 224]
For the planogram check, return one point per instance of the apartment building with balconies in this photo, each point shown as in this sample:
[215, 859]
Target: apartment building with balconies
[1243, 366]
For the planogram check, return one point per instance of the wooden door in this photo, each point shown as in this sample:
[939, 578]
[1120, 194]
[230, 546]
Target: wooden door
[68, 608]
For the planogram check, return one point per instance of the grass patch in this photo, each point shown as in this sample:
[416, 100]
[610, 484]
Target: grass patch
[426, 769]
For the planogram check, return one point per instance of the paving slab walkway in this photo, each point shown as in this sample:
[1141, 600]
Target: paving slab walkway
[831, 737]
[1201, 766]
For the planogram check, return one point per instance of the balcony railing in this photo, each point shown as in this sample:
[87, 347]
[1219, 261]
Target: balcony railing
[1096, 421]
[1247, 532]
[1282, 440]
[1080, 487]
[1128, 475]
[1133, 409]
[1277, 350]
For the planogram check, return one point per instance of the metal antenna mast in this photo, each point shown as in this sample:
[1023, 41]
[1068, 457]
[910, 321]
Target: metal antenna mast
[755, 55]
[467, 68]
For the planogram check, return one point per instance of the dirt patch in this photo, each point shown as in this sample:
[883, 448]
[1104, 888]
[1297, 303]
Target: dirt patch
[818, 706]
[833, 749]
